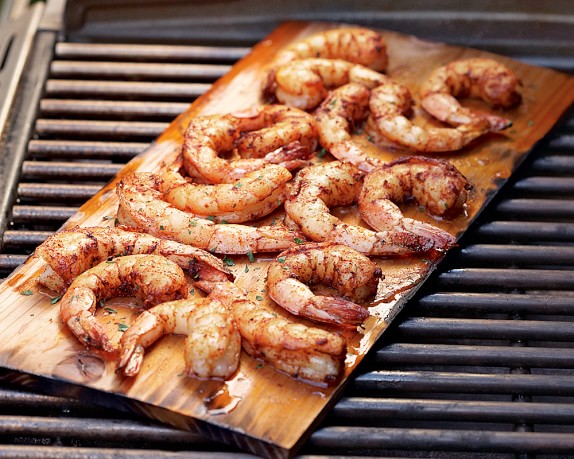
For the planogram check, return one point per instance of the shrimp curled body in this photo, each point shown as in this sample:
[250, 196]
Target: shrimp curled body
[390, 105]
[349, 272]
[304, 83]
[301, 351]
[142, 208]
[436, 185]
[257, 194]
[212, 345]
[354, 44]
[483, 78]
[317, 188]
[70, 252]
[152, 278]
[272, 134]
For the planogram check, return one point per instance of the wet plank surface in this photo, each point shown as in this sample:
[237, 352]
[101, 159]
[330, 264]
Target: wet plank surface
[261, 409]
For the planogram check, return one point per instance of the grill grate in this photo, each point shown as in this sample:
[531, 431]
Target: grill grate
[480, 363]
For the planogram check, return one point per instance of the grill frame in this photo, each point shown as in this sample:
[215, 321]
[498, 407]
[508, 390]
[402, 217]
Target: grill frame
[401, 366]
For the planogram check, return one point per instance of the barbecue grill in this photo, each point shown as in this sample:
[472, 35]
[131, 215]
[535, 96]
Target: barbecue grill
[479, 364]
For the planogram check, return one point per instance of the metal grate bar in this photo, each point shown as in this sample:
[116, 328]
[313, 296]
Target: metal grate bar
[525, 231]
[107, 109]
[37, 214]
[74, 149]
[508, 278]
[130, 52]
[493, 255]
[57, 191]
[108, 129]
[125, 89]
[534, 209]
[67, 170]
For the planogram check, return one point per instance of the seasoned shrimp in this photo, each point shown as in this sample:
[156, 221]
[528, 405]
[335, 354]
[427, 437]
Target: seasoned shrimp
[318, 187]
[436, 185]
[212, 345]
[142, 208]
[301, 351]
[354, 44]
[152, 278]
[390, 104]
[484, 78]
[257, 194]
[349, 272]
[335, 116]
[70, 252]
[287, 140]
[304, 83]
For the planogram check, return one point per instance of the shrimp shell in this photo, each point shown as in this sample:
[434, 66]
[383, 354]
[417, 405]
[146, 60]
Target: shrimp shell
[70, 252]
[349, 272]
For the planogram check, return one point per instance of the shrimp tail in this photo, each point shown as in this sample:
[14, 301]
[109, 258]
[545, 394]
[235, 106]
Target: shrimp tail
[87, 329]
[335, 310]
[131, 359]
[292, 156]
[434, 237]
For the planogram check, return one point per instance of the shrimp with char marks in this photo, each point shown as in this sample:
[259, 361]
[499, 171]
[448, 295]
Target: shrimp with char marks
[343, 107]
[482, 78]
[70, 252]
[354, 44]
[304, 83]
[390, 105]
[299, 350]
[273, 134]
[151, 278]
[318, 187]
[257, 194]
[142, 208]
[212, 344]
[436, 185]
[350, 273]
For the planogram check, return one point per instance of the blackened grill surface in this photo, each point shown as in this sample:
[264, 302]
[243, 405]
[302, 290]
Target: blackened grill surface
[479, 364]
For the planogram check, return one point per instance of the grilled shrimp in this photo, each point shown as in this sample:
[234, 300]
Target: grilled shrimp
[257, 194]
[142, 208]
[335, 116]
[349, 272]
[354, 44]
[436, 185]
[212, 345]
[318, 187]
[390, 105]
[71, 252]
[304, 83]
[301, 351]
[287, 140]
[484, 78]
[152, 278]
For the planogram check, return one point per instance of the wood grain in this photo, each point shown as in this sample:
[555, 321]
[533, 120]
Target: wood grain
[260, 409]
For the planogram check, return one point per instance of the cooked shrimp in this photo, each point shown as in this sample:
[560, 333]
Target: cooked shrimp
[212, 345]
[267, 129]
[354, 44]
[390, 104]
[152, 278]
[70, 252]
[142, 208]
[304, 83]
[436, 185]
[287, 140]
[484, 78]
[257, 194]
[335, 116]
[318, 187]
[349, 272]
[301, 351]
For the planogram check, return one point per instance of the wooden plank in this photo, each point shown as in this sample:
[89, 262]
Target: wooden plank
[260, 409]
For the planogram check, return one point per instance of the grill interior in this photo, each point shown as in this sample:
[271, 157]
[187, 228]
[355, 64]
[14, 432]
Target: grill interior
[479, 364]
